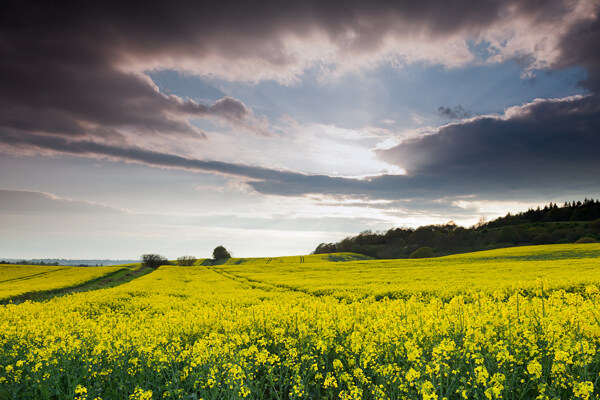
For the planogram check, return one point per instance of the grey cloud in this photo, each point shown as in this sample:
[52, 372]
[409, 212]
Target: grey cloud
[560, 137]
[26, 203]
[458, 112]
[539, 149]
[68, 96]
[264, 180]
[551, 143]
[63, 66]
[60, 75]
[231, 110]
[580, 47]
[546, 147]
[63, 69]
[111, 30]
[97, 101]
[15, 142]
[283, 223]
[227, 107]
[65, 87]
[31, 203]
[43, 225]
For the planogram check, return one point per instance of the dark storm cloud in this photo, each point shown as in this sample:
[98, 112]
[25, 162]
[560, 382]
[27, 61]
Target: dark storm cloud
[543, 147]
[107, 32]
[546, 147]
[580, 47]
[72, 82]
[97, 101]
[60, 75]
[64, 95]
[76, 69]
[549, 143]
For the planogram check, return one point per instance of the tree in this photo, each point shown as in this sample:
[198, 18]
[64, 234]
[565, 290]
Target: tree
[186, 261]
[480, 223]
[154, 261]
[220, 252]
[586, 239]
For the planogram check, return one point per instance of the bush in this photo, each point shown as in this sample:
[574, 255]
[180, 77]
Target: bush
[586, 239]
[422, 252]
[220, 252]
[154, 260]
[186, 261]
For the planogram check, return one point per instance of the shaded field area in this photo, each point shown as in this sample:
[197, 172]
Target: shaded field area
[207, 331]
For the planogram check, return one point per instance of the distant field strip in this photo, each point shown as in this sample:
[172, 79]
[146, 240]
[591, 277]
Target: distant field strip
[534, 253]
[311, 259]
[502, 271]
[16, 280]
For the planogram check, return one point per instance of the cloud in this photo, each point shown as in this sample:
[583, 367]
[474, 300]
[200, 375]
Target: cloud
[458, 112]
[580, 47]
[60, 76]
[73, 81]
[233, 112]
[547, 146]
[79, 70]
[35, 204]
[45, 225]
[547, 143]
[255, 41]
[58, 145]
[69, 98]
[261, 179]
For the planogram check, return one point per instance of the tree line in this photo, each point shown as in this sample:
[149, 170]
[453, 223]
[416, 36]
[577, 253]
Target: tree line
[29, 262]
[577, 221]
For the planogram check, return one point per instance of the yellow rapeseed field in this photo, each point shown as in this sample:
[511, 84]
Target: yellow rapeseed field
[502, 271]
[18, 279]
[226, 332]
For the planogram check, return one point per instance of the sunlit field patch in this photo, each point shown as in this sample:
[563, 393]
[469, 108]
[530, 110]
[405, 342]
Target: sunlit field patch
[222, 332]
[19, 279]
[570, 267]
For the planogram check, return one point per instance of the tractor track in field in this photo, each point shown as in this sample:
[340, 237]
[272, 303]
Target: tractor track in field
[258, 284]
[23, 278]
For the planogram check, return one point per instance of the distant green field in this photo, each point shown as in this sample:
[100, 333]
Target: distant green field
[528, 268]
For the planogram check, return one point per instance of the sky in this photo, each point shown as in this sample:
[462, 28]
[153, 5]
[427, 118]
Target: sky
[269, 127]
